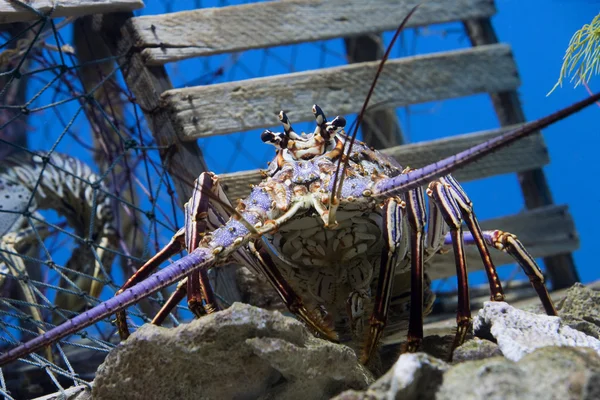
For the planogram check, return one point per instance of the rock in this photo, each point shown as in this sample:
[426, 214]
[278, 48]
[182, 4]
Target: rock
[240, 353]
[246, 352]
[475, 349]
[519, 332]
[544, 358]
[547, 373]
[256, 290]
[414, 376]
[580, 309]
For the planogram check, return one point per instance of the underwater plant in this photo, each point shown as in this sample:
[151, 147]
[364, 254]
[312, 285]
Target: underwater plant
[582, 57]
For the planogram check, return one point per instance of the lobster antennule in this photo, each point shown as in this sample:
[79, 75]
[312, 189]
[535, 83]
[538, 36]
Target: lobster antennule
[321, 120]
[287, 126]
[279, 139]
[421, 176]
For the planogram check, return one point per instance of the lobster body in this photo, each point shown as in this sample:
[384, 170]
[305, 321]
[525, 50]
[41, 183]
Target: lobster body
[335, 269]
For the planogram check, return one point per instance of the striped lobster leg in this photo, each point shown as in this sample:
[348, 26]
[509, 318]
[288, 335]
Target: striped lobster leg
[508, 243]
[440, 193]
[263, 263]
[394, 249]
[197, 285]
[504, 241]
[417, 218]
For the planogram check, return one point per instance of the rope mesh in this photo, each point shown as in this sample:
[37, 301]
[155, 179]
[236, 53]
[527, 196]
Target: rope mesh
[84, 197]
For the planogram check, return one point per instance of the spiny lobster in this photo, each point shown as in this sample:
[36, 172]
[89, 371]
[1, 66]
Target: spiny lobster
[331, 218]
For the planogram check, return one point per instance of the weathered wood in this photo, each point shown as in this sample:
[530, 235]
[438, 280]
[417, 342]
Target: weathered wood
[254, 103]
[526, 154]
[176, 36]
[182, 160]
[12, 11]
[536, 192]
[544, 231]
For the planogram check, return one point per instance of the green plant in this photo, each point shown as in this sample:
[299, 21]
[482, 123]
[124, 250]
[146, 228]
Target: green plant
[582, 58]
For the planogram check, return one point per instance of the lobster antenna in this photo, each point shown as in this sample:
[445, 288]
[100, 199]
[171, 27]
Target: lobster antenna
[422, 176]
[336, 190]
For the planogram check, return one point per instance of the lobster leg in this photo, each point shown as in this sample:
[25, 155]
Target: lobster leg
[508, 243]
[171, 302]
[196, 212]
[265, 265]
[503, 241]
[394, 248]
[436, 231]
[466, 205]
[174, 246]
[441, 194]
[417, 218]
[196, 224]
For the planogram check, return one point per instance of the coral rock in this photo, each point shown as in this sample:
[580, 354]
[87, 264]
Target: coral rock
[240, 353]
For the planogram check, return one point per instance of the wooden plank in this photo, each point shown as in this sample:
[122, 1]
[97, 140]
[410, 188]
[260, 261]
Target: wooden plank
[12, 11]
[544, 231]
[203, 111]
[534, 186]
[526, 154]
[181, 35]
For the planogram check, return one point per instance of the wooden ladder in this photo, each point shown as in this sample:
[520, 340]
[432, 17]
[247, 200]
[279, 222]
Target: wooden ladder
[181, 116]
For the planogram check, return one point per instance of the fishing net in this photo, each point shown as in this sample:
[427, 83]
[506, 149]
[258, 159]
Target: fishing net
[84, 196]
